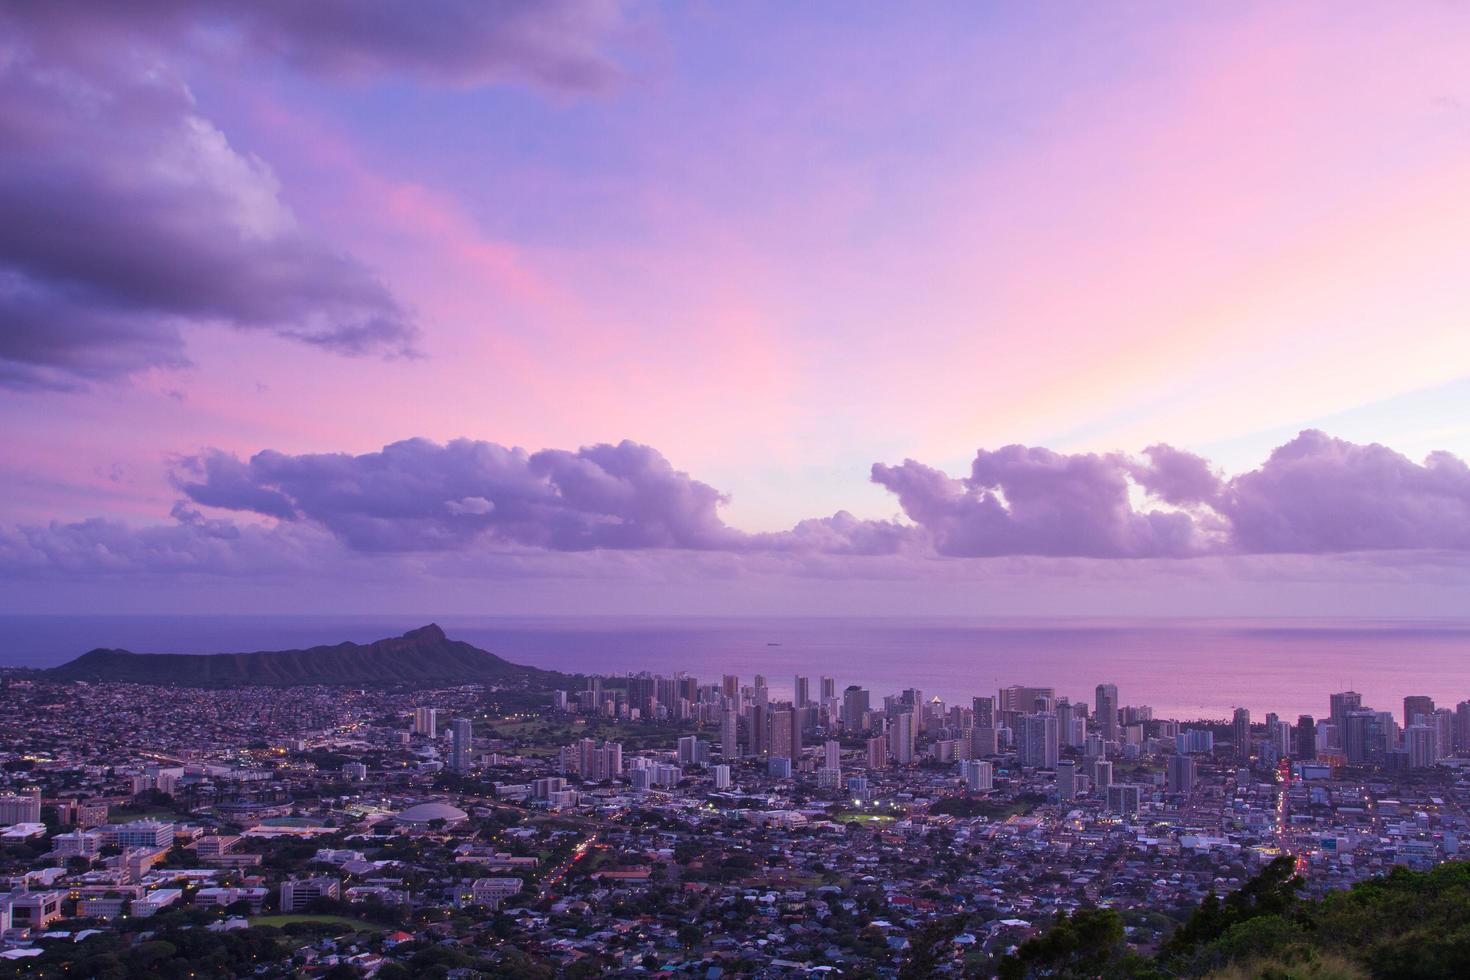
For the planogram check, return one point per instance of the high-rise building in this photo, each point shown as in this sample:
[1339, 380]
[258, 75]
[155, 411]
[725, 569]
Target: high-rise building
[1192, 740]
[877, 752]
[1181, 773]
[1462, 728]
[1306, 737]
[979, 775]
[596, 763]
[1416, 705]
[462, 733]
[832, 754]
[22, 808]
[1066, 779]
[729, 746]
[902, 738]
[785, 734]
[1071, 724]
[829, 689]
[1422, 744]
[1242, 734]
[760, 729]
[1124, 799]
[984, 709]
[1020, 700]
[1340, 704]
[1444, 731]
[1278, 737]
[722, 776]
[1036, 744]
[426, 722]
[1102, 775]
[1106, 709]
[854, 709]
[693, 751]
[983, 742]
[1364, 738]
[802, 692]
[730, 688]
[298, 893]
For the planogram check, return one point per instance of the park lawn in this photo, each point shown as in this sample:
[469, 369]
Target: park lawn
[870, 818]
[547, 736]
[134, 814]
[356, 925]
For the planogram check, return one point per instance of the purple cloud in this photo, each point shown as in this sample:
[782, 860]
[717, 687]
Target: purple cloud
[1031, 501]
[1314, 495]
[489, 510]
[126, 216]
[191, 545]
[842, 534]
[1319, 494]
[1176, 476]
[418, 495]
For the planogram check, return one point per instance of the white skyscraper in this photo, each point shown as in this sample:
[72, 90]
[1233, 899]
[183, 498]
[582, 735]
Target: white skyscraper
[979, 775]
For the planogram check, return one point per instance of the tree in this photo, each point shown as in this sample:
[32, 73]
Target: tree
[929, 946]
[1082, 945]
[1272, 892]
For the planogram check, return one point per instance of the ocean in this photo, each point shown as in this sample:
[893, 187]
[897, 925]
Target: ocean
[1184, 669]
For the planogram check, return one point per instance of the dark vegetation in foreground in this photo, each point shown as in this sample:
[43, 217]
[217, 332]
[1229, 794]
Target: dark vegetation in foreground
[1408, 924]
[1405, 926]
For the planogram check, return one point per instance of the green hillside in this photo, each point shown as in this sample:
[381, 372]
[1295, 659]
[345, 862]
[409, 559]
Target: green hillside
[1407, 925]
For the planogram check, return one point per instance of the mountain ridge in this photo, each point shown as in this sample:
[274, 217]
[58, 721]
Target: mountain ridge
[425, 656]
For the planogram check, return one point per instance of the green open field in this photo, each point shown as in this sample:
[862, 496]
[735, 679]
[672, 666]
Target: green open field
[356, 925]
[129, 814]
[547, 735]
[873, 819]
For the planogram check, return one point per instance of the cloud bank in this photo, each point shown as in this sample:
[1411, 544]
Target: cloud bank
[1321, 523]
[1313, 495]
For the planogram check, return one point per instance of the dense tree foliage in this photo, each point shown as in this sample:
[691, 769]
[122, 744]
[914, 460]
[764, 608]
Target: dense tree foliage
[1407, 925]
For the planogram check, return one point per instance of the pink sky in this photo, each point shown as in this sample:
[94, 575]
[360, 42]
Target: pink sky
[866, 238]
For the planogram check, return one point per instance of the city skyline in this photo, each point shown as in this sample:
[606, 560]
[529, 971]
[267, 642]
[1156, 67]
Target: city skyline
[885, 314]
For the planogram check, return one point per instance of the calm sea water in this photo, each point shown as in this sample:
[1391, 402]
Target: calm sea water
[1183, 668]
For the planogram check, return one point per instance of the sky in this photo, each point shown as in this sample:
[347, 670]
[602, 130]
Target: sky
[836, 308]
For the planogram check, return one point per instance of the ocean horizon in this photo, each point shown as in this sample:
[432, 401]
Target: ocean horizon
[1182, 668]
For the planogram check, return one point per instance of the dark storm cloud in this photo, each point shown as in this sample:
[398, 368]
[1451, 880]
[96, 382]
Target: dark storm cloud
[127, 218]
